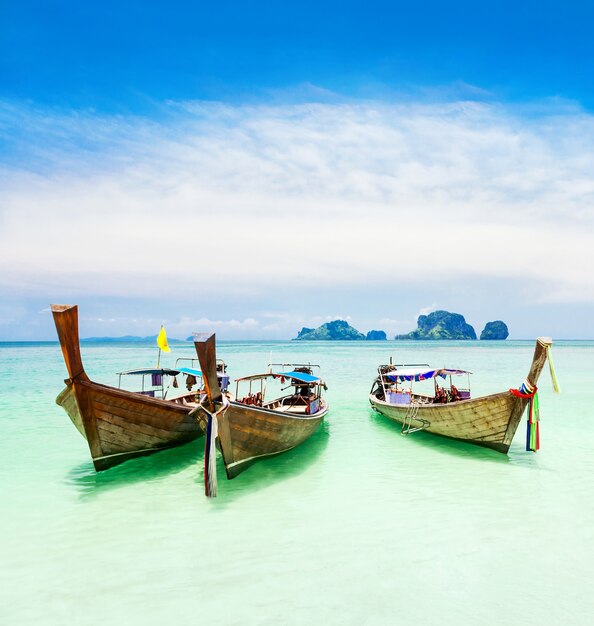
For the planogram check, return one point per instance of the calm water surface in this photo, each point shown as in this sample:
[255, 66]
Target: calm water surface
[357, 526]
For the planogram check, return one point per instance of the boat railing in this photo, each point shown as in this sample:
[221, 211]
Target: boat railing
[221, 365]
[411, 416]
[156, 389]
[292, 365]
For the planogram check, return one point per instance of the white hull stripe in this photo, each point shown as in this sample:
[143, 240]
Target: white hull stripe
[110, 456]
[259, 456]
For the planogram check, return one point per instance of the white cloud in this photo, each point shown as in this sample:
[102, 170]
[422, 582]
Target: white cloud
[189, 324]
[427, 309]
[244, 198]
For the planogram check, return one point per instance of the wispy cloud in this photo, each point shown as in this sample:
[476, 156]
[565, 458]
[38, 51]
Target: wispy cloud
[218, 198]
[187, 324]
[427, 309]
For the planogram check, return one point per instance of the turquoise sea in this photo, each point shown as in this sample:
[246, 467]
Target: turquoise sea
[359, 525]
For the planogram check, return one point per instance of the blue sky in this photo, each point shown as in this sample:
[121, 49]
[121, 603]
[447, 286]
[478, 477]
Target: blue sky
[117, 55]
[370, 161]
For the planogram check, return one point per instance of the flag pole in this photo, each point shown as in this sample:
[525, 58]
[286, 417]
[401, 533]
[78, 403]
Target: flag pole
[162, 343]
[158, 344]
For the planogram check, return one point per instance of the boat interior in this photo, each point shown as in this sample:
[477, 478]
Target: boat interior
[305, 398]
[394, 385]
[162, 382]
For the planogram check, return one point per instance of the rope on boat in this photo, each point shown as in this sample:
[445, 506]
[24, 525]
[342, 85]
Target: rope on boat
[530, 392]
[556, 387]
[210, 452]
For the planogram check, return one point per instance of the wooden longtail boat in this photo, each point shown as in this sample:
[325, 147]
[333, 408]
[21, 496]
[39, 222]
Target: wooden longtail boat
[490, 421]
[119, 424]
[254, 427]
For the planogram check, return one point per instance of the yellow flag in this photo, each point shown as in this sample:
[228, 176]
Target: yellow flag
[162, 340]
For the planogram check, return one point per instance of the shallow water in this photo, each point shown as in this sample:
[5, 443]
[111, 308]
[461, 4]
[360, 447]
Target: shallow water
[357, 525]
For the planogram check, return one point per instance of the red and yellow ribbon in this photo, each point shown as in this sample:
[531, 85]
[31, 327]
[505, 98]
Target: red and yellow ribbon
[530, 392]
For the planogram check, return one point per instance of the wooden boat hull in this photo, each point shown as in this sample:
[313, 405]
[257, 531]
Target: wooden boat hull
[120, 425]
[117, 424]
[489, 421]
[248, 433]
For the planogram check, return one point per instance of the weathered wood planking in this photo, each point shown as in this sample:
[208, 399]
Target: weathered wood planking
[251, 433]
[489, 421]
[247, 433]
[117, 424]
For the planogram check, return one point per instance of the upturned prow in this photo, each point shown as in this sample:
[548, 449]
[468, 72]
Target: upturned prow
[206, 349]
[541, 352]
[66, 321]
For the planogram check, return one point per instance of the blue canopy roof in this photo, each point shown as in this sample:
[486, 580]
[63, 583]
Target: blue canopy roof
[191, 371]
[300, 376]
[422, 373]
[151, 370]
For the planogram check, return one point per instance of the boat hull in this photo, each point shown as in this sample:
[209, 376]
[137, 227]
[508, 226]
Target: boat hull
[490, 421]
[249, 433]
[120, 425]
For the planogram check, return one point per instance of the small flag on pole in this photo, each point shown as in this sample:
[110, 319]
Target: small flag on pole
[162, 340]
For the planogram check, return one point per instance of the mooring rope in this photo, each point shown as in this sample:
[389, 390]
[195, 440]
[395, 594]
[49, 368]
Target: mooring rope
[210, 452]
[556, 387]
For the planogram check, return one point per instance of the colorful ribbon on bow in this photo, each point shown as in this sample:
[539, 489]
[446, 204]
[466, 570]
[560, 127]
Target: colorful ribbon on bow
[210, 451]
[530, 392]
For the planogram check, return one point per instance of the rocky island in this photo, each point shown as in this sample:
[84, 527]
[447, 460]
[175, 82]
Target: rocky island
[376, 335]
[440, 325]
[495, 330]
[338, 330]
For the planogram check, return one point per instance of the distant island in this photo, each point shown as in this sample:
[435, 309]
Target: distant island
[130, 339]
[495, 330]
[338, 330]
[440, 325]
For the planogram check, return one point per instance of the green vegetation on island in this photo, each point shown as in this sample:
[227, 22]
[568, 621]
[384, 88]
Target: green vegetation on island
[338, 330]
[376, 335]
[495, 330]
[440, 325]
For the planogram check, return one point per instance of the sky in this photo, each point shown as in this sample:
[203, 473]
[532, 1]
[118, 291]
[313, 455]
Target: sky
[252, 168]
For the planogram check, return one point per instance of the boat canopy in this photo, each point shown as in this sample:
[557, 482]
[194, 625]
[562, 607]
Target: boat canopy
[300, 377]
[150, 371]
[164, 371]
[190, 370]
[422, 373]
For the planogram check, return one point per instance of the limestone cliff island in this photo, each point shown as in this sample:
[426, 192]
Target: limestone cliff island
[495, 330]
[338, 330]
[440, 325]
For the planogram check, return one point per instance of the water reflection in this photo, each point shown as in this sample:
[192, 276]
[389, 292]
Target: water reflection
[168, 462]
[151, 467]
[271, 470]
[442, 445]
